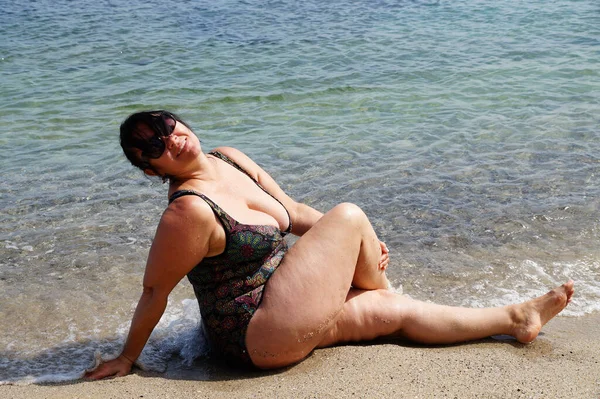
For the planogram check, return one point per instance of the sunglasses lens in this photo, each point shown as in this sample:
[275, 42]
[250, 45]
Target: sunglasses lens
[156, 144]
[170, 124]
[163, 125]
[156, 147]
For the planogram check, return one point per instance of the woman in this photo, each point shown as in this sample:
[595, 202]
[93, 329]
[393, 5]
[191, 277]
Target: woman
[263, 304]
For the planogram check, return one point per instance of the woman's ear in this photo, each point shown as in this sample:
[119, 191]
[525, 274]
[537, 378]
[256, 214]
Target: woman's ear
[150, 172]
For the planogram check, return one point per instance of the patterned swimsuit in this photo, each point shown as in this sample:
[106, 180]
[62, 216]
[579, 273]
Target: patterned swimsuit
[229, 286]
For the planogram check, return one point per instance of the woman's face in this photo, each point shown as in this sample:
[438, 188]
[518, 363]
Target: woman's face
[172, 153]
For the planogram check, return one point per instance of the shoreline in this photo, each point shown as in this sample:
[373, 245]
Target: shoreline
[563, 362]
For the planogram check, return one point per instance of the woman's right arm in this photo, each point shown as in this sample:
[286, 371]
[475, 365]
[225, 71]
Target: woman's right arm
[181, 242]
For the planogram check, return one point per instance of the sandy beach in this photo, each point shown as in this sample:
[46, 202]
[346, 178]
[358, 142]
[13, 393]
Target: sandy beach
[562, 363]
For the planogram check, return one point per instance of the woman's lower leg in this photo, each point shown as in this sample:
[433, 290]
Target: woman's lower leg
[371, 314]
[437, 324]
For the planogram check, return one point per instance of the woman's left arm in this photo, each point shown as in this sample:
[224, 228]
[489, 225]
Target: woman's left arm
[306, 217]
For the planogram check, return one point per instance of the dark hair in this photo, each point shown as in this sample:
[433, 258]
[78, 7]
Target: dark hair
[131, 136]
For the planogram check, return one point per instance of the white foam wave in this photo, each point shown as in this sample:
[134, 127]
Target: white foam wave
[530, 279]
[178, 333]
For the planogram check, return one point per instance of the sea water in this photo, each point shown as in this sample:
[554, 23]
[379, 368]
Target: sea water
[468, 131]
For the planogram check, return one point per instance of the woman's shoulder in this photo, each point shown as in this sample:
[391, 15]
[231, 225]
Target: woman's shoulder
[241, 159]
[188, 206]
[230, 152]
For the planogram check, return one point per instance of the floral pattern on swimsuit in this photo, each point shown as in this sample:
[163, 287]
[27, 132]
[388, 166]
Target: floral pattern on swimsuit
[229, 286]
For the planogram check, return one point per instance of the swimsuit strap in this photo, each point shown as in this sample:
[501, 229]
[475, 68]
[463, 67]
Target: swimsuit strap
[227, 221]
[231, 162]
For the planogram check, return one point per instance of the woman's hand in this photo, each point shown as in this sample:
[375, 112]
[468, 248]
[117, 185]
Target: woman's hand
[118, 367]
[385, 257]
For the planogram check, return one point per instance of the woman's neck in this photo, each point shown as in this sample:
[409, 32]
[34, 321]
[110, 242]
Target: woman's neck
[202, 171]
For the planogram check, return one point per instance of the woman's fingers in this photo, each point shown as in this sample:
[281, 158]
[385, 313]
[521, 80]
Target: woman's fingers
[103, 371]
[116, 367]
[384, 261]
[98, 373]
[384, 248]
[385, 258]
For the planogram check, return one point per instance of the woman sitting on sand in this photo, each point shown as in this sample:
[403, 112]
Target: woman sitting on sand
[265, 305]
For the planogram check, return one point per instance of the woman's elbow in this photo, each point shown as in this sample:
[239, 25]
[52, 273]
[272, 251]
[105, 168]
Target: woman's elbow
[148, 290]
[154, 294]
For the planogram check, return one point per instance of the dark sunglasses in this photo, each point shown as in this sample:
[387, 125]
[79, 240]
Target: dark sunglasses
[162, 124]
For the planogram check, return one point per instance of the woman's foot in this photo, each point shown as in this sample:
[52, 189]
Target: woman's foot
[530, 316]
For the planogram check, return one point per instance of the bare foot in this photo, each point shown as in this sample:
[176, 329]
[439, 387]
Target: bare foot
[530, 316]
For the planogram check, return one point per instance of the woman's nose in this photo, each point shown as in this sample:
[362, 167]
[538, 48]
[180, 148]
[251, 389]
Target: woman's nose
[169, 140]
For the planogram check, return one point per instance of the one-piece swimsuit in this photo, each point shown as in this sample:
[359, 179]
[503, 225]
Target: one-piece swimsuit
[229, 286]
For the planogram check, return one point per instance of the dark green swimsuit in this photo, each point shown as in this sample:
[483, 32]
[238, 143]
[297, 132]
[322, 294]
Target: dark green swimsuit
[229, 286]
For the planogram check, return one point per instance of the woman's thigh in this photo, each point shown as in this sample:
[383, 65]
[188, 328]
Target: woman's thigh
[304, 296]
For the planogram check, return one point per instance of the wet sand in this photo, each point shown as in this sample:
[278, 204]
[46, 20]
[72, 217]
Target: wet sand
[564, 362]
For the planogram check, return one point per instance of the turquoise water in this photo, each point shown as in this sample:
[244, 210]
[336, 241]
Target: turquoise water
[467, 130]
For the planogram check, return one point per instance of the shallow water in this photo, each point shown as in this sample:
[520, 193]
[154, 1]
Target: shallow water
[468, 132]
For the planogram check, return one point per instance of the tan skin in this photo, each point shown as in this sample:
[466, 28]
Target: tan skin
[331, 286]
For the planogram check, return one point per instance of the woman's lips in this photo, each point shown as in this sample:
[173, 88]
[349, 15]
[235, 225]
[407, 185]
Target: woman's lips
[182, 147]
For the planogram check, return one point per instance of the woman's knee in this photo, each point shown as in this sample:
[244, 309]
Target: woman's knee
[367, 314]
[349, 213]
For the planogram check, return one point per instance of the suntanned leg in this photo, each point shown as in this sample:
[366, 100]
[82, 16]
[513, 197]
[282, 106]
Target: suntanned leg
[371, 314]
[308, 302]
[303, 298]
